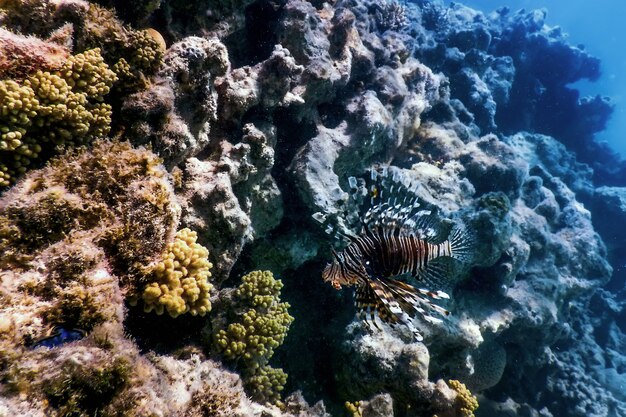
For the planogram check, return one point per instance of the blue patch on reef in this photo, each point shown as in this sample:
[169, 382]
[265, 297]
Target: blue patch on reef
[60, 336]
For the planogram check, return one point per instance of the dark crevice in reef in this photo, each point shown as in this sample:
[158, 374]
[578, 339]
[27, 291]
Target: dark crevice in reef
[331, 114]
[321, 314]
[161, 333]
[291, 134]
[262, 17]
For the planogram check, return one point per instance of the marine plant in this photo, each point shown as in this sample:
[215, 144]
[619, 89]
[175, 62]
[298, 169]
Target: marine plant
[50, 110]
[180, 278]
[252, 337]
[82, 389]
[212, 402]
[115, 196]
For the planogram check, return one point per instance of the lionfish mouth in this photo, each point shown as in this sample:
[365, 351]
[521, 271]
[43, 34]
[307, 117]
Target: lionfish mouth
[336, 285]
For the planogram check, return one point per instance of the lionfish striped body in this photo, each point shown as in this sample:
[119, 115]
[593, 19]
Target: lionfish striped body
[397, 237]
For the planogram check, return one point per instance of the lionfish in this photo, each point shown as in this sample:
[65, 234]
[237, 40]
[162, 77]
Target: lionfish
[397, 235]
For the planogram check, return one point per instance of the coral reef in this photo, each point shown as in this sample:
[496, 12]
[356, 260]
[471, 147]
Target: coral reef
[466, 402]
[241, 119]
[24, 55]
[134, 54]
[53, 100]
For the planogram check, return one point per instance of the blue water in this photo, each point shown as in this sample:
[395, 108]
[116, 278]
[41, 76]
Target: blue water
[601, 27]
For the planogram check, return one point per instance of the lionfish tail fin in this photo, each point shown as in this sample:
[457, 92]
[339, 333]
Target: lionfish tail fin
[462, 243]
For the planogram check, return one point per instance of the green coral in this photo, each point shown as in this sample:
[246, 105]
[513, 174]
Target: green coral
[466, 402]
[262, 327]
[47, 110]
[180, 279]
[257, 332]
[265, 384]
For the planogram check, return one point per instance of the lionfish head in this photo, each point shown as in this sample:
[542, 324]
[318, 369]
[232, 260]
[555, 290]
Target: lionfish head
[332, 272]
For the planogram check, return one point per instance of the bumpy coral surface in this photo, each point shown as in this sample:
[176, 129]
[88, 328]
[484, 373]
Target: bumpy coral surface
[466, 402]
[46, 110]
[262, 327]
[181, 279]
[256, 333]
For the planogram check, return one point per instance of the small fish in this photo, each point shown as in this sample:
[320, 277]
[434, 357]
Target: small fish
[59, 336]
[398, 236]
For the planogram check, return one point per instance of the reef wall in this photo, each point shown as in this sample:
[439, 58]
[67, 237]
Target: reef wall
[212, 133]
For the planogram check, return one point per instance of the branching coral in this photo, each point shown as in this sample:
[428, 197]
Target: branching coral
[265, 384]
[391, 16]
[466, 402]
[262, 327]
[253, 338]
[50, 109]
[180, 279]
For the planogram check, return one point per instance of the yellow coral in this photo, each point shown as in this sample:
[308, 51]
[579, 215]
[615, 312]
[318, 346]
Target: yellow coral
[84, 74]
[180, 279]
[260, 288]
[259, 330]
[466, 402]
[354, 408]
[48, 109]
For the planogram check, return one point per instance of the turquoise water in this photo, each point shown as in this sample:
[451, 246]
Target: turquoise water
[599, 26]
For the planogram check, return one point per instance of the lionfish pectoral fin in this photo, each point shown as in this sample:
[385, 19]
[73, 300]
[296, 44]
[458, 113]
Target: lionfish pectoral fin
[413, 300]
[365, 302]
[391, 308]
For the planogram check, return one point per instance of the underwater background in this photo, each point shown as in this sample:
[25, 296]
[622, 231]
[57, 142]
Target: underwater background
[312, 208]
[598, 27]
